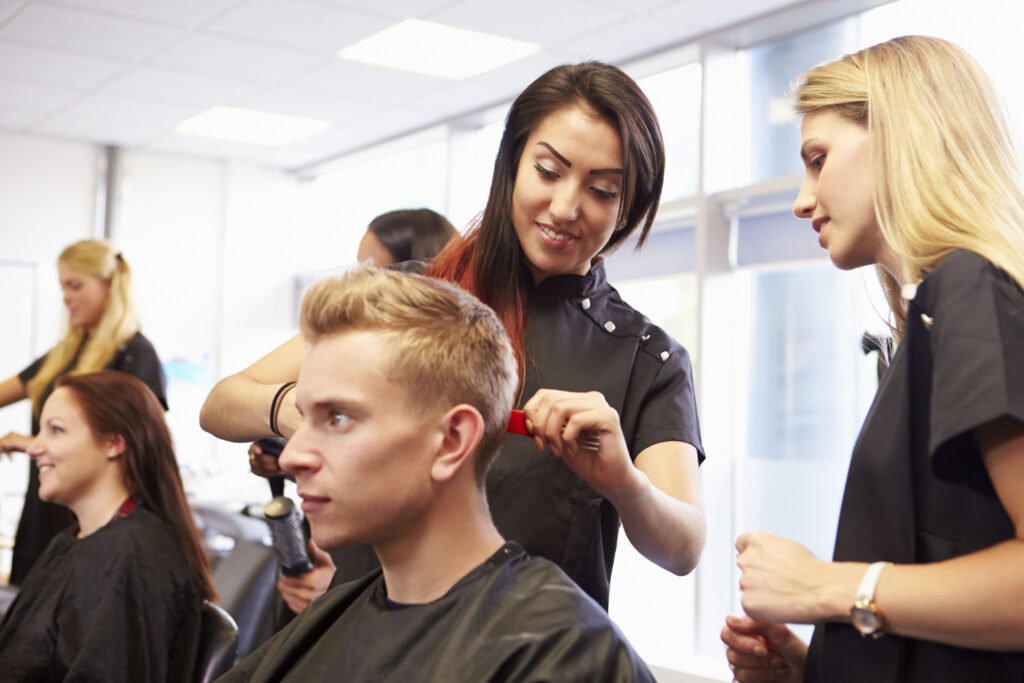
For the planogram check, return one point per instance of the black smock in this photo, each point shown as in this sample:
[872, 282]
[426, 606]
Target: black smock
[117, 605]
[917, 489]
[580, 336]
[513, 618]
[41, 521]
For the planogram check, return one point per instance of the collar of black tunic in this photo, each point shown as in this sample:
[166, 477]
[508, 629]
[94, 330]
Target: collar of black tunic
[569, 285]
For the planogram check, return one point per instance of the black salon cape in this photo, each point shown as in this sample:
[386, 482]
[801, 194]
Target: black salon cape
[116, 606]
[918, 490]
[513, 618]
[40, 521]
[580, 336]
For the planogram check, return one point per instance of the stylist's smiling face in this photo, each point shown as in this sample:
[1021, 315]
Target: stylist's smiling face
[567, 193]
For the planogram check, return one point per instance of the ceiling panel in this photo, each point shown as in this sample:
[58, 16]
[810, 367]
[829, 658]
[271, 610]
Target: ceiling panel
[110, 119]
[397, 9]
[314, 27]
[55, 66]
[467, 96]
[8, 7]
[518, 75]
[16, 117]
[370, 83]
[241, 59]
[179, 13]
[75, 29]
[620, 40]
[298, 102]
[538, 21]
[126, 71]
[699, 16]
[180, 86]
[37, 97]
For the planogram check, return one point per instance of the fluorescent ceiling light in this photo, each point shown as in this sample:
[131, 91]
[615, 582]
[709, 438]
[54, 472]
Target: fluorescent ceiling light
[250, 126]
[425, 47]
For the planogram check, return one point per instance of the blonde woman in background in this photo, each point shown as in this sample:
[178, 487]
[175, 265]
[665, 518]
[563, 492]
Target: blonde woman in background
[102, 332]
[910, 167]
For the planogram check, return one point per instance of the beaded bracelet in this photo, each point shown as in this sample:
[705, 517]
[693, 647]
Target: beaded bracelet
[275, 406]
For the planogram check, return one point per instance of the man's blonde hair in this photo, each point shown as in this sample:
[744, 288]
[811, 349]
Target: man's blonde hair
[947, 174]
[449, 348]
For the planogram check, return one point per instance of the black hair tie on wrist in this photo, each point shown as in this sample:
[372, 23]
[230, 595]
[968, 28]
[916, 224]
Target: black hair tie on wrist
[274, 407]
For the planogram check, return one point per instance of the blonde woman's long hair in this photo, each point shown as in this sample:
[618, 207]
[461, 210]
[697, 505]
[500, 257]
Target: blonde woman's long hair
[948, 176]
[116, 326]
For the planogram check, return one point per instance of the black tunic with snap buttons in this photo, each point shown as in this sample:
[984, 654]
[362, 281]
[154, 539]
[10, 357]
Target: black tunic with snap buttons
[581, 336]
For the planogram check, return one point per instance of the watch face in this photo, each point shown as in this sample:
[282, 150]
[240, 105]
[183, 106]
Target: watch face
[864, 620]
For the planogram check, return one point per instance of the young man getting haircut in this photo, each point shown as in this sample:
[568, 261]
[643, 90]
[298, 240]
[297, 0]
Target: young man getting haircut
[405, 395]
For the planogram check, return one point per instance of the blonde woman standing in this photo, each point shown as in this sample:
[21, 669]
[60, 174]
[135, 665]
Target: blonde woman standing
[102, 332]
[909, 166]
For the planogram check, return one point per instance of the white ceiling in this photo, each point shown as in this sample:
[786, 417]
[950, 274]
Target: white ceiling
[124, 72]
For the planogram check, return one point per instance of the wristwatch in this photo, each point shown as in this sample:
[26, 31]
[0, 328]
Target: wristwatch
[864, 614]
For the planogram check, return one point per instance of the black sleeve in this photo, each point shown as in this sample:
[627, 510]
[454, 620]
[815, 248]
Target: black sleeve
[669, 408]
[138, 358]
[32, 370]
[977, 344]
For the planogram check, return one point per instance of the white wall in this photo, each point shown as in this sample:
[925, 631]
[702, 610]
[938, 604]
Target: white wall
[47, 200]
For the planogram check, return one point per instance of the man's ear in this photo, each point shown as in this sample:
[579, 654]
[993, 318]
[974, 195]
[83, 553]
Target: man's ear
[463, 428]
[115, 446]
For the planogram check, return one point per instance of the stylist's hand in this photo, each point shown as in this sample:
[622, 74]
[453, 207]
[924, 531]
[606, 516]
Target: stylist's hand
[14, 442]
[564, 421]
[781, 579]
[763, 651]
[263, 464]
[299, 591]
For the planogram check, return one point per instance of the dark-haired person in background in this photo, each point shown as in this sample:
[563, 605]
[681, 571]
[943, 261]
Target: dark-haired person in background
[102, 333]
[579, 169]
[405, 235]
[117, 596]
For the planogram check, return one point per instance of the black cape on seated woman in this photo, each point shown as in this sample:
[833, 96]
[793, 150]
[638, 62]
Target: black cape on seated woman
[117, 605]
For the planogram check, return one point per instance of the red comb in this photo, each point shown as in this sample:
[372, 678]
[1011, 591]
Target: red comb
[517, 423]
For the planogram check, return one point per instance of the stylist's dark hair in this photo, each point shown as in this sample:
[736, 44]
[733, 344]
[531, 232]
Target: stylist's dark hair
[488, 261]
[118, 404]
[412, 234]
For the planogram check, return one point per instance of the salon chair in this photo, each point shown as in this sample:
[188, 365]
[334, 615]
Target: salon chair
[218, 641]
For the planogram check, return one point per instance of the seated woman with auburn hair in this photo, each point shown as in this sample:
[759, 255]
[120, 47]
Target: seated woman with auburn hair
[116, 597]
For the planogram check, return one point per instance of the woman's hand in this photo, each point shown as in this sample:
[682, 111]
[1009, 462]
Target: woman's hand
[14, 442]
[566, 421]
[763, 651]
[782, 581]
[264, 464]
[299, 591]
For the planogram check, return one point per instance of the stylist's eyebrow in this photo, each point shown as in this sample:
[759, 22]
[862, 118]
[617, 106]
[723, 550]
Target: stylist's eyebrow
[596, 171]
[555, 152]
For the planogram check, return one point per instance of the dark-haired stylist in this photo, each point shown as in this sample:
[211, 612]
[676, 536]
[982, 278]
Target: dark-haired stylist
[102, 332]
[579, 168]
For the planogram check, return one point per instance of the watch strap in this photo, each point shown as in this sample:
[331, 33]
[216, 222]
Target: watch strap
[869, 584]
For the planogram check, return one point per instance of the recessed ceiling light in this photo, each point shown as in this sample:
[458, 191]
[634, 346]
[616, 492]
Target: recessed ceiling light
[425, 47]
[250, 126]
